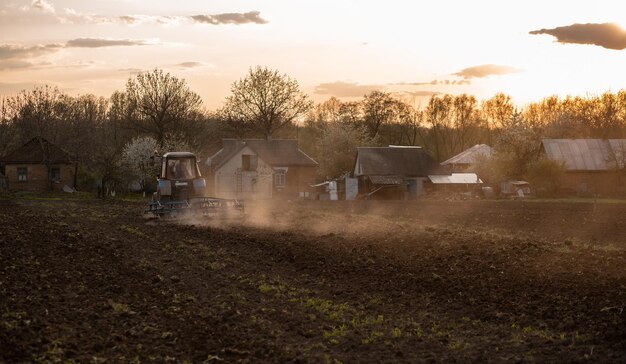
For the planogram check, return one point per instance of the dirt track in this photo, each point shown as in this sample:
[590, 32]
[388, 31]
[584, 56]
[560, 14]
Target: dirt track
[92, 281]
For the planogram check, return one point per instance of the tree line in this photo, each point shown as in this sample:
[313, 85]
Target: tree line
[159, 110]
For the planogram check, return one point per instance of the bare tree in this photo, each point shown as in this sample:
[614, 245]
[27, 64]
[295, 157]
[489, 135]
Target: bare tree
[267, 100]
[36, 113]
[379, 109]
[438, 115]
[157, 103]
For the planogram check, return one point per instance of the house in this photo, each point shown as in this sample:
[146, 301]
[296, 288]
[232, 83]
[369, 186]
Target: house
[394, 172]
[39, 165]
[592, 166]
[259, 168]
[464, 161]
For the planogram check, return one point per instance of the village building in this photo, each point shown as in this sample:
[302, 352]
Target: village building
[592, 166]
[261, 169]
[38, 165]
[464, 183]
[394, 172]
[467, 159]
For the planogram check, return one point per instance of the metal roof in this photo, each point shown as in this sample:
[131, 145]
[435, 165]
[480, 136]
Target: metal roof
[618, 146]
[396, 161]
[455, 178]
[178, 155]
[586, 154]
[471, 155]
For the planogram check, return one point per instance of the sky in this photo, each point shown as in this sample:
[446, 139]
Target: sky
[412, 49]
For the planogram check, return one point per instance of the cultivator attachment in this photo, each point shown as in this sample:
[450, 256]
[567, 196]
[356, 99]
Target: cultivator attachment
[197, 206]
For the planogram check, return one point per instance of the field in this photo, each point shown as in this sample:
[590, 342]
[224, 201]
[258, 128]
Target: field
[427, 281]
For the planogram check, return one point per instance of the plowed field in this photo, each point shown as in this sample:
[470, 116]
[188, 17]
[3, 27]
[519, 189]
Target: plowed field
[427, 281]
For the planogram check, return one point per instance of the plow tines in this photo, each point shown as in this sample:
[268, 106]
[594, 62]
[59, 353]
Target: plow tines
[199, 206]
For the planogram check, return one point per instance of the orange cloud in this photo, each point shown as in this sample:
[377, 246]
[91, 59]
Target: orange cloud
[606, 35]
[486, 70]
[345, 89]
[103, 42]
[231, 18]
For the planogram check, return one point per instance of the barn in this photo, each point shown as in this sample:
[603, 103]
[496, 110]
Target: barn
[593, 166]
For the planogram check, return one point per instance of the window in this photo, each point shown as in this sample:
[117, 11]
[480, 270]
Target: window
[55, 174]
[248, 162]
[279, 179]
[22, 174]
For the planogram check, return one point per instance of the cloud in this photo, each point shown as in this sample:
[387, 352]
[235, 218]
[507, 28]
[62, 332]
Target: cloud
[486, 70]
[14, 64]
[420, 93]
[435, 82]
[43, 5]
[231, 18]
[145, 19]
[606, 35]
[104, 42]
[10, 51]
[345, 89]
[191, 64]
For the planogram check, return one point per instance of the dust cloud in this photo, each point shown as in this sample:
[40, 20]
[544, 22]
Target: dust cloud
[590, 224]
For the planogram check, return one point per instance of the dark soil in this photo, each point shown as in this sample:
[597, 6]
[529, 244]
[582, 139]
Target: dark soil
[427, 281]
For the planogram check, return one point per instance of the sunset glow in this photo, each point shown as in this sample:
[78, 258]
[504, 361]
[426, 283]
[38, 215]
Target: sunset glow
[344, 49]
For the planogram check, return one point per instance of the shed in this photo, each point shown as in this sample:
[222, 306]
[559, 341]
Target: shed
[39, 165]
[394, 172]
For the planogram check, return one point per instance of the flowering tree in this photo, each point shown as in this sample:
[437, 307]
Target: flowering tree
[337, 148]
[136, 157]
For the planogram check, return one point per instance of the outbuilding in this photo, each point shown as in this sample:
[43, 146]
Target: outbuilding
[592, 166]
[394, 172]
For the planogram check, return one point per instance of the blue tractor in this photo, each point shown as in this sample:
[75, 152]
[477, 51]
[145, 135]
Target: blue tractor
[181, 190]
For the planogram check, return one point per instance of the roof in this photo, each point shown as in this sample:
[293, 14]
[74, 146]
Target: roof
[178, 155]
[394, 161]
[471, 155]
[38, 151]
[587, 154]
[387, 180]
[275, 152]
[455, 178]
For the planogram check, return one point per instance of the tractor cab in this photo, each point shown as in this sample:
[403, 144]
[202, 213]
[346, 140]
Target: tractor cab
[179, 166]
[180, 177]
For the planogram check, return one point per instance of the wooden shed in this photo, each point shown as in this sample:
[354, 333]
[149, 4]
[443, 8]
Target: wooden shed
[394, 172]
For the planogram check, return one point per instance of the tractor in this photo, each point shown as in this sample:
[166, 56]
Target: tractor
[181, 190]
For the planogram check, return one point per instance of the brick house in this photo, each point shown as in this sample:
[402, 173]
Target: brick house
[259, 168]
[38, 165]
